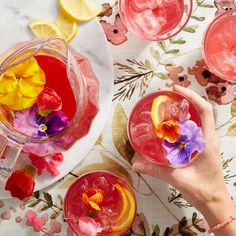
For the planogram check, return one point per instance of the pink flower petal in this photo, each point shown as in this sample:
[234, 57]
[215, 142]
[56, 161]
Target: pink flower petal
[89, 226]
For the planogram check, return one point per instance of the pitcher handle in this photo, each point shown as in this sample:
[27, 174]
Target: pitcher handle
[9, 152]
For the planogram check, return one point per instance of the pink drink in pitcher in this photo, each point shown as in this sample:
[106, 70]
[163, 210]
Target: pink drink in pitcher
[146, 135]
[100, 203]
[219, 46]
[155, 20]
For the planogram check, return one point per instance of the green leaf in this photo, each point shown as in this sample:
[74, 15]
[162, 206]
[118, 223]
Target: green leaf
[162, 45]
[60, 199]
[232, 130]
[160, 75]
[48, 198]
[233, 108]
[34, 203]
[206, 5]
[190, 28]
[119, 133]
[178, 41]
[156, 231]
[198, 18]
[149, 65]
[155, 54]
[173, 51]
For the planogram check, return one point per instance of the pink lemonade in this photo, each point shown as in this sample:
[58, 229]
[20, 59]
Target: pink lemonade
[100, 203]
[155, 19]
[141, 127]
[219, 46]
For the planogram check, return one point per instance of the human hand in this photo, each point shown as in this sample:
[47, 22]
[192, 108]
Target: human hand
[202, 182]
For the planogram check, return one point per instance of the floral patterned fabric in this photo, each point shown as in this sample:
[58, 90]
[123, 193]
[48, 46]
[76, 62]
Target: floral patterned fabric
[140, 68]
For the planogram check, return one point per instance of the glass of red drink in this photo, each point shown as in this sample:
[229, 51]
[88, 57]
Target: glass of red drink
[219, 46]
[164, 128]
[45, 106]
[155, 20]
[100, 203]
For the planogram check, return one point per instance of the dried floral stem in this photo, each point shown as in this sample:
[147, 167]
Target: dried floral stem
[224, 124]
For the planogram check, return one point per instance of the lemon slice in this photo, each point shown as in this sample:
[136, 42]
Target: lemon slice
[44, 28]
[127, 215]
[157, 114]
[67, 25]
[81, 10]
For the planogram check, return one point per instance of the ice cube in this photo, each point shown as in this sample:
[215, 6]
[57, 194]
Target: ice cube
[142, 132]
[147, 22]
[141, 5]
[179, 110]
[103, 184]
[105, 224]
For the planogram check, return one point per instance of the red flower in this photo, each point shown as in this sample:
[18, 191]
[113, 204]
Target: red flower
[21, 183]
[48, 101]
[115, 33]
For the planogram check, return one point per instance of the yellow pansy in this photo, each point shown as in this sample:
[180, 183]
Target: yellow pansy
[21, 85]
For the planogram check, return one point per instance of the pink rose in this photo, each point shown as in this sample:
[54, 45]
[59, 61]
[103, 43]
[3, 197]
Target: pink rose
[48, 101]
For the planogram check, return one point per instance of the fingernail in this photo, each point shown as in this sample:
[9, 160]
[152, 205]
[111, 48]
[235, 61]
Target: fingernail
[138, 167]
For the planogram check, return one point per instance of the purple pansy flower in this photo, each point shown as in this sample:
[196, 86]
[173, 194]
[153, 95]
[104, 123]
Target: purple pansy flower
[29, 122]
[191, 140]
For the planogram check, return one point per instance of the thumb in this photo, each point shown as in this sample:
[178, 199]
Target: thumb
[146, 167]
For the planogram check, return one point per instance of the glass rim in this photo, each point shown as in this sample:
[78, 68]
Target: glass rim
[161, 37]
[205, 57]
[93, 172]
[129, 120]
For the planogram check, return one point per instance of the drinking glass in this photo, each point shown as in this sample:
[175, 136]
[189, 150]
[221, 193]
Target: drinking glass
[155, 20]
[100, 203]
[219, 46]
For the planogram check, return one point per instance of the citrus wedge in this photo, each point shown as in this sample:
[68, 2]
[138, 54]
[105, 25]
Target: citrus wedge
[44, 29]
[157, 113]
[127, 215]
[81, 10]
[67, 25]
[125, 204]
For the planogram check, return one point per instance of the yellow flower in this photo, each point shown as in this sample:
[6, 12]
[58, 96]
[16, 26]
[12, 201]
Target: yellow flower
[21, 85]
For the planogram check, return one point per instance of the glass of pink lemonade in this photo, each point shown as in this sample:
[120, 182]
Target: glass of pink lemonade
[100, 203]
[155, 20]
[219, 46]
[164, 128]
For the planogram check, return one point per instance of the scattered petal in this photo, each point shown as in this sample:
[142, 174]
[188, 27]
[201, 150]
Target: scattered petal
[6, 215]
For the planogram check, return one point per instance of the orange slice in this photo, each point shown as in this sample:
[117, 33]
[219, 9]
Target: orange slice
[128, 212]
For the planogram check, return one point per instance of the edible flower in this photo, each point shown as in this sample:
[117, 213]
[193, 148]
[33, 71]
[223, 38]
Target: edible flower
[21, 85]
[93, 198]
[21, 183]
[29, 122]
[168, 130]
[88, 226]
[48, 101]
[230, 62]
[190, 142]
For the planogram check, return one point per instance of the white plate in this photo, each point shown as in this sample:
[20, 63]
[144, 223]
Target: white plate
[90, 41]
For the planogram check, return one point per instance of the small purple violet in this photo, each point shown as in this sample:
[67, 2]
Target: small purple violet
[191, 140]
[29, 122]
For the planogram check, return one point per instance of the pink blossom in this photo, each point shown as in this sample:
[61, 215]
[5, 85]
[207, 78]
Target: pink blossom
[89, 226]
[115, 33]
[41, 164]
[36, 222]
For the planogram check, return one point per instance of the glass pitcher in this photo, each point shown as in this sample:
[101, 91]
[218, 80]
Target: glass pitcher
[12, 140]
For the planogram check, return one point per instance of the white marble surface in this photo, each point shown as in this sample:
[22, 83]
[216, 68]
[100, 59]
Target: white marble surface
[90, 41]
